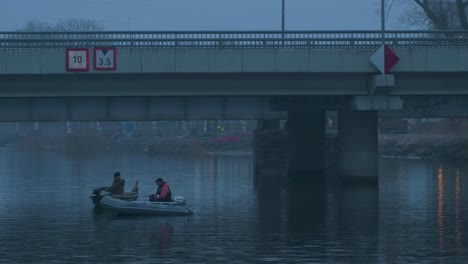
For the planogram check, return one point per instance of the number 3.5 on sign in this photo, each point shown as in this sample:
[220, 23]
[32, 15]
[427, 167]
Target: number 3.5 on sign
[105, 59]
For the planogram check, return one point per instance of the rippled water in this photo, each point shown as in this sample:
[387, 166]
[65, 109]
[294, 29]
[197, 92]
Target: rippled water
[416, 215]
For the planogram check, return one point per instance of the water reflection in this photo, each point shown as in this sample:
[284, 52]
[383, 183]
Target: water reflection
[417, 210]
[164, 236]
[440, 209]
[358, 221]
[306, 209]
[271, 204]
[458, 228]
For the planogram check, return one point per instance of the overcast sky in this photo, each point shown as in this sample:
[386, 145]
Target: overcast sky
[202, 14]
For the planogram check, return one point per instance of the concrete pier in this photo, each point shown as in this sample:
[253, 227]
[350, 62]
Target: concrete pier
[358, 146]
[306, 134]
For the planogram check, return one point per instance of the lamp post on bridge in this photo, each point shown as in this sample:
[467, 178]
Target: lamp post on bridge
[382, 20]
[282, 16]
[282, 21]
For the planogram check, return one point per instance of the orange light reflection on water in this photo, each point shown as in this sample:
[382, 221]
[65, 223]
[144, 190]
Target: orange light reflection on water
[440, 209]
[458, 229]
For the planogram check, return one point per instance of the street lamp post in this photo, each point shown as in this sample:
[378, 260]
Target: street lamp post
[282, 15]
[382, 21]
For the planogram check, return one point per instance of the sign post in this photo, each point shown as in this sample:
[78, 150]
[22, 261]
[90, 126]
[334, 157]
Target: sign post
[382, 6]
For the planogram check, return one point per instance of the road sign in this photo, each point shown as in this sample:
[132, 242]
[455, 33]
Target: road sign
[384, 59]
[105, 59]
[77, 60]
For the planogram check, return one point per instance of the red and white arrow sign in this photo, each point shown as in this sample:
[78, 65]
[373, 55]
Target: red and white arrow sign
[384, 59]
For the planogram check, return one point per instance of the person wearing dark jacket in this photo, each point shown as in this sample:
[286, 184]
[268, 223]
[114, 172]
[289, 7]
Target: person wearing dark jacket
[163, 194]
[117, 186]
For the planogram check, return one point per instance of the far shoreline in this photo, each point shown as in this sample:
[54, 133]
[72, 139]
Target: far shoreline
[411, 146]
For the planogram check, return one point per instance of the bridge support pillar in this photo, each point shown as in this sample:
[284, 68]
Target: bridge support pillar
[269, 150]
[358, 144]
[268, 124]
[306, 136]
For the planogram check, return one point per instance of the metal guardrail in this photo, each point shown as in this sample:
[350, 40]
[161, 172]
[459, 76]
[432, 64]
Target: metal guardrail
[230, 39]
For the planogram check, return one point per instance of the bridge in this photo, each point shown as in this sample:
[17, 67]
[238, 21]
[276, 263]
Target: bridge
[63, 76]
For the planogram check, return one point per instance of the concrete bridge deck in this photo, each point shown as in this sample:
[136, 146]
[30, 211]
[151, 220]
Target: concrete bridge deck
[232, 63]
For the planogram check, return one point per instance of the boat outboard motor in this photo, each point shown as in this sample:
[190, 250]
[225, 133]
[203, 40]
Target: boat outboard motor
[97, 191]
[179, 199]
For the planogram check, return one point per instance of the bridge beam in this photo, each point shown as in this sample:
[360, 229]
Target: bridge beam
[382, 102]
[56, 109]
[268, 124]
[306, 134]
[441, 106]
[381, 84]
[358, 144]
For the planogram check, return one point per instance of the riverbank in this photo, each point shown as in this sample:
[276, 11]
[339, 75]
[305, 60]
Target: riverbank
[199, 145]
[424, 146]
[411, 145]
[235, 144]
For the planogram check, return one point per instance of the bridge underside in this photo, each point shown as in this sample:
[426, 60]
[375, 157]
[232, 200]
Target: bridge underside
[51, 109]
[414, 106]
[135, 108]
[225, 84]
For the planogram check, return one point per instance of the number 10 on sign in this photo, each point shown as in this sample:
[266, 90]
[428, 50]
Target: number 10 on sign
[77, 60]
[104, 59]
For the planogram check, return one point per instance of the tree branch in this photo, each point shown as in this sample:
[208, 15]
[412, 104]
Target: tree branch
[462, 13]
[390, 5]
[421, 4]
[438, 21]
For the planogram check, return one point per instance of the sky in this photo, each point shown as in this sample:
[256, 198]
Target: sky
[202, 14]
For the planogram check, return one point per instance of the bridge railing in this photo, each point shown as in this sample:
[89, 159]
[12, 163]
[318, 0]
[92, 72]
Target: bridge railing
[231, 39]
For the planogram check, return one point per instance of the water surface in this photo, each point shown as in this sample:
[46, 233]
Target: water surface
[417, 214]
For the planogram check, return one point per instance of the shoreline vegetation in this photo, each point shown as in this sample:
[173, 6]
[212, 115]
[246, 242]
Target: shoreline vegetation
[236, 144]
[423, 146]
[420, 143]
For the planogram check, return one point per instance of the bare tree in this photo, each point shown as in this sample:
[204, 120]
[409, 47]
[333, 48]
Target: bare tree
[36, 26]
[33, 32]
[436, 14]
[70, 25]
[75, 24]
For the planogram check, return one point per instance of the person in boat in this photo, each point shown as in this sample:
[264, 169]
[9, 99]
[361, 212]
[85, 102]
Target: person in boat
[163, 194]
[117, 186]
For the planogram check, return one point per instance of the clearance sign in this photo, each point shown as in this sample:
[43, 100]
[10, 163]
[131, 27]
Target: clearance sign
[104, 59]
